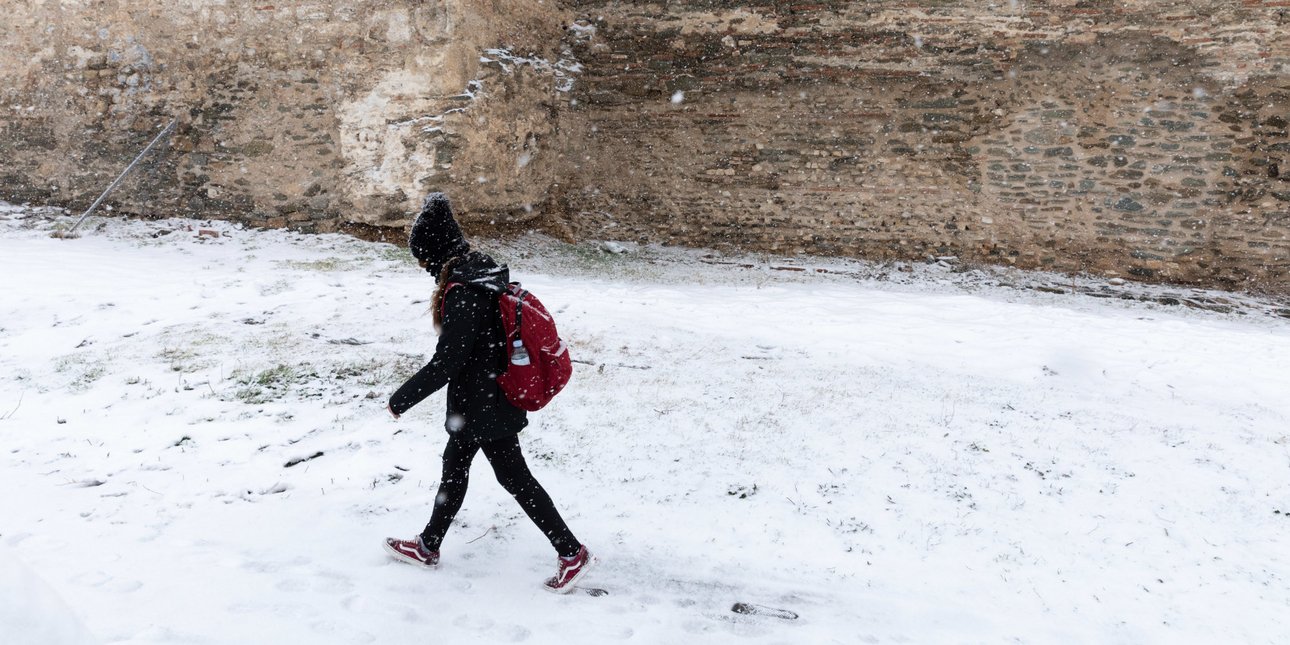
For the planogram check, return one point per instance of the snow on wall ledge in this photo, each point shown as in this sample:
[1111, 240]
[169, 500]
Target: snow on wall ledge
[1140, 139]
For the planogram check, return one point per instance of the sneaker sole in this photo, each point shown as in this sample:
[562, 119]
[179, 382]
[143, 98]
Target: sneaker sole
[405, 559]
[573, 582]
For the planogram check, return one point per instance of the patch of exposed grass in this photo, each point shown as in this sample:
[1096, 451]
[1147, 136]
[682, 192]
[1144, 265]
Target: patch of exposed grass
[274, 288]
[268, 385]
[587, 258]
[186, 353]
[178, 358]
[326, 264]
[375, 373]
[85, 370]
[393, 253]
[88, 376]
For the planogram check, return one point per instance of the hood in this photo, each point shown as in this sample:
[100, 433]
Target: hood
[481, 272]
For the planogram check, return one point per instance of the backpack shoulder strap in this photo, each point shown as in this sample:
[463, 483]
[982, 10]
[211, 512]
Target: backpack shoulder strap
[518, 293]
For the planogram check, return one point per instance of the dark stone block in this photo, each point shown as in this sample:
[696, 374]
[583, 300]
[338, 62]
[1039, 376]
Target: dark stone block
[1128, 205]
[937, 104]
[257, 148]
[1122, 140]
[1043, 136]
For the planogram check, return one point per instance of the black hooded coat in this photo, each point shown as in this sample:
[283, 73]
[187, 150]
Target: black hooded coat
[470, 354]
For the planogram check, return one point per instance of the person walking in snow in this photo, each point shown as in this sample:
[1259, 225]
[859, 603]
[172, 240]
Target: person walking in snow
[470, 354]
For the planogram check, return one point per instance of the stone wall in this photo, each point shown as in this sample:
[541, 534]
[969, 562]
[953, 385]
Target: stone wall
[1136, 138]
[303, 114]
[1145, 139]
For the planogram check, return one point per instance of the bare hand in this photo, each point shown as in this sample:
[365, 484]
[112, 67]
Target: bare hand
[392, 413]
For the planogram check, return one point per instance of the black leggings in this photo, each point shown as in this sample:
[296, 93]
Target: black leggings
[513, 474]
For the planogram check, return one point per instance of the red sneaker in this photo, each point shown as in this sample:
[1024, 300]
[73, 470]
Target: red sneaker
[412, 551]
[571, 571]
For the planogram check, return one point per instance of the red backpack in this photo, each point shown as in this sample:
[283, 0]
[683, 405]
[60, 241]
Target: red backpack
[539, 365]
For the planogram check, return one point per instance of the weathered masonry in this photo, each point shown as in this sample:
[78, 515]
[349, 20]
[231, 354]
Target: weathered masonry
[291, 113]
[1128, 137]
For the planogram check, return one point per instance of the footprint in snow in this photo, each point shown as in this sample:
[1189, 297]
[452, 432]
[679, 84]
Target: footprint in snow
[102, 580]
[263, 566]
[506, 632]
[282, 610]
[350, 634]
[329, 583]
[159, 634]
[383, 609]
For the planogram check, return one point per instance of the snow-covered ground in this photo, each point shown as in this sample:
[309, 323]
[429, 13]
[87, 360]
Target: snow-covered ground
[194, 449]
